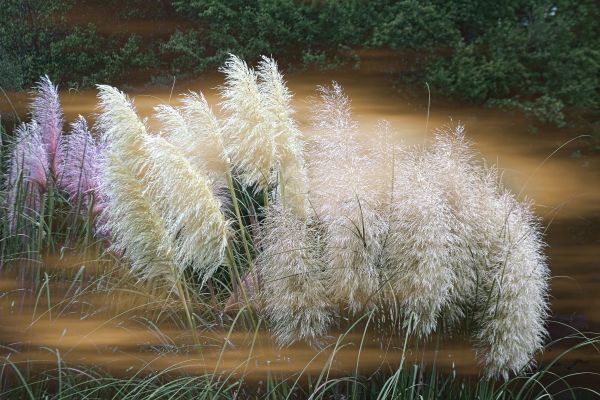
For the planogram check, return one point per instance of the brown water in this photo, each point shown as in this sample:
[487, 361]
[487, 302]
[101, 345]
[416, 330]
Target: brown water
[563, 181]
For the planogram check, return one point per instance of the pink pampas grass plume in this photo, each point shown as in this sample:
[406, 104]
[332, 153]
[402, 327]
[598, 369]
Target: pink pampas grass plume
[28, 172]
[46, 110]
[80, 165]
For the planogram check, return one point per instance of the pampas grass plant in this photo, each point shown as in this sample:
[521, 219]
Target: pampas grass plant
[425, 235]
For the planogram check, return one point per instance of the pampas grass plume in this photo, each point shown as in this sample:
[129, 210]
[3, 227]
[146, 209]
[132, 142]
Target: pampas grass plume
[80, 159]
[28, 171]
[249, 138]
[205, 135]
[345, 202]
[292, 270]
[516, 291]
[46, 110]
[121, 128]
[293, 179]
[134, 223]
[190, 211]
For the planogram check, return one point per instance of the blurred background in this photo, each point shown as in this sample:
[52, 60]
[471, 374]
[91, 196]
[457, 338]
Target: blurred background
[539, 57]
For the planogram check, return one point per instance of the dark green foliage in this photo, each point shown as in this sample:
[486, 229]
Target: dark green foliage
[542, 59]
[538, 56]
[37, 38]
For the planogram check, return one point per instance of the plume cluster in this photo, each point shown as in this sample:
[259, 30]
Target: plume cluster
[42, 155]
[145, 172]
[440, 240]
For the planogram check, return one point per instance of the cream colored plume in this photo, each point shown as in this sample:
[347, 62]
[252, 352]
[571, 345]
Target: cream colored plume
[248, 132]
[197, 132]
[291, 168]
[420, 244]
[515, 281]
[195, 226]
[187, 216]
[121, 128]
[345, 202]
[207, 133]
[134, 223]
[292, 270]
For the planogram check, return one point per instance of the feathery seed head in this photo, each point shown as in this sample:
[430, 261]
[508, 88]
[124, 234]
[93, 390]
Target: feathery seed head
[291, 167]
[80, 159]
[28, 171]
[190, 211]
[249, 138]
[134, 223]
[197, 131]
[46, 111]
[345, 202]
[292, 267]
[121, 128]
[516, 290]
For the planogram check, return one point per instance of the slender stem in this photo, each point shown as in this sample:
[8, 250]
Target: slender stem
[238, 216]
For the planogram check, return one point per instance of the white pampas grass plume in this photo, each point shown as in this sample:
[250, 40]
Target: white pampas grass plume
[46, 111]
[134, 223]
[291, 268]
[515, 283]
[345, 202]
[121, 128]
[249, 138]
[468, 188]
[28, 173]
[293, 180]
[205, 139]
[419, 246]
[190, 211]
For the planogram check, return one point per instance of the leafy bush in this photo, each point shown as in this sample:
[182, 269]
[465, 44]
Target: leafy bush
[545, 63]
